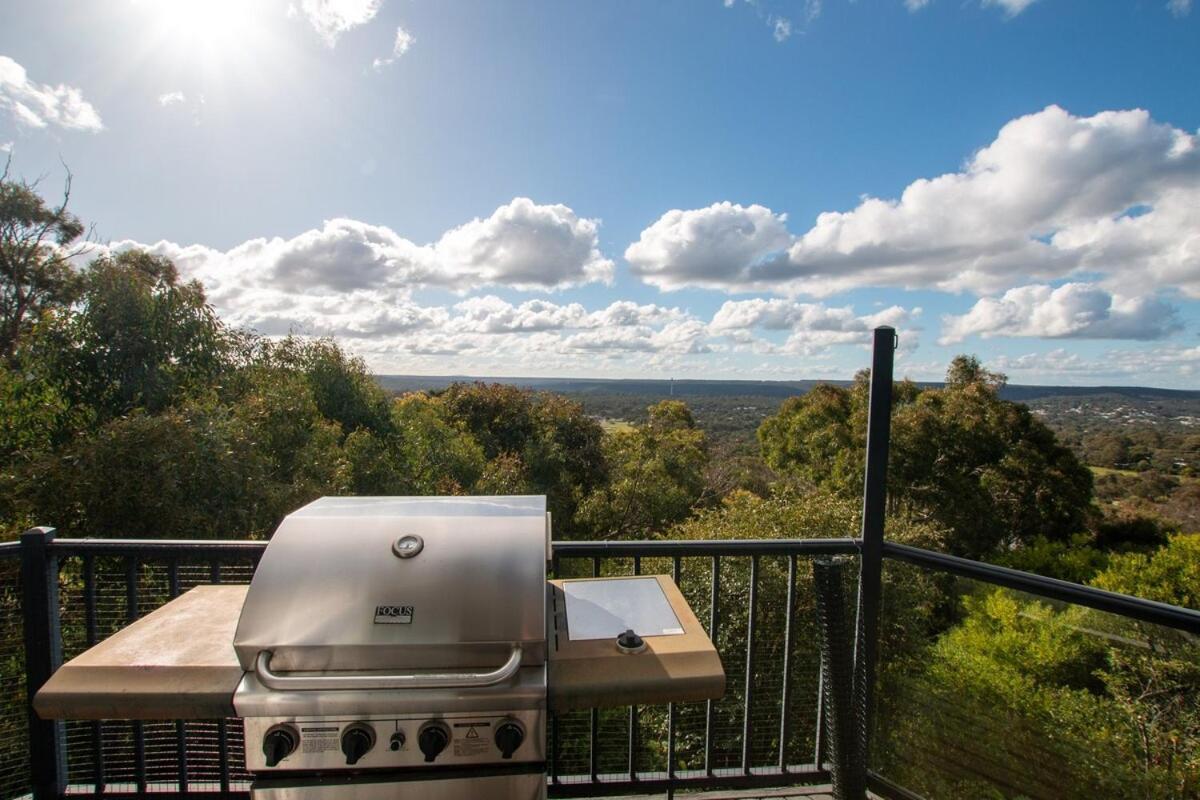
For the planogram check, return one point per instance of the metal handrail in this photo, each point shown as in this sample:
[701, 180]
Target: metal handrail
[1102, 600]
[1184, 619]
[150, 547]
[650, 548]
[345, 681]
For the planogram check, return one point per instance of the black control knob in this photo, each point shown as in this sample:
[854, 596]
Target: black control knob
[357, 741]
[397, 740]
[279, 743]
[630, 642]
[432, 739]
[509, 736]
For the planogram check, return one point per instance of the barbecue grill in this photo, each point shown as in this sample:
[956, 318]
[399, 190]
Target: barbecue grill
[399, 647]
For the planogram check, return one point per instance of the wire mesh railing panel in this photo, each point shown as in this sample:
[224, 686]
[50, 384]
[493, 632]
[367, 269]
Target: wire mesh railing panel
[758, 608]
[99, 595]
[14, 731]
[990, 692]
[766, 721]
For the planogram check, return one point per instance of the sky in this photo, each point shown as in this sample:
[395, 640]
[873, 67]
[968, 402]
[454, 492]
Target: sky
[733, 189]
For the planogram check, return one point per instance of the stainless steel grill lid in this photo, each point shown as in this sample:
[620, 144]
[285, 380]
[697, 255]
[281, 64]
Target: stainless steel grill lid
[364, 584]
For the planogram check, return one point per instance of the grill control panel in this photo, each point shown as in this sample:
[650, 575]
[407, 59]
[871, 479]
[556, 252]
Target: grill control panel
[420, 740]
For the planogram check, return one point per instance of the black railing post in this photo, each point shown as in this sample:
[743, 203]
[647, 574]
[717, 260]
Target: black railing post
[870, 582]
[840, 715]
[43, 655]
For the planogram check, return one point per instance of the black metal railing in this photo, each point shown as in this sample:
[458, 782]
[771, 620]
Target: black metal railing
[755, 599]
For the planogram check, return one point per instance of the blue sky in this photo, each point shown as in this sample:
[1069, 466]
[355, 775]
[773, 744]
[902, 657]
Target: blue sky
[698, 189]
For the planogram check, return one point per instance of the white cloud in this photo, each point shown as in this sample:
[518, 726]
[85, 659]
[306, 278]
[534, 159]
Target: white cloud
[355, 280]
[171, 98]
[331, 18]
[404, 41]
[1180, 8]
[915, 5]
[1055, 195]
[707, 246]
[813, 327]
[39, 105]
[490, 314]
[1011, 7]
[1074, 310]
[521, 245]
[781, 27]
[1163, 365]
[685, 337]
[6, 147]
[526, 246]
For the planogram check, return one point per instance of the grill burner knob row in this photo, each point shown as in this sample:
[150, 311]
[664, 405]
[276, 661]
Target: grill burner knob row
[509, 736]
[357, 741]
[279, 743]
[432, 739]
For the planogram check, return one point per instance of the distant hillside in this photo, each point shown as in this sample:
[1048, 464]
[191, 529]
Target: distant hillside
[780, 389]
[731, 411]
[645, 388]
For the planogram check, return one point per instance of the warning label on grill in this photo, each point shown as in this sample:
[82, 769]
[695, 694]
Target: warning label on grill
[468, 740]
[318, 742]
[393, 615]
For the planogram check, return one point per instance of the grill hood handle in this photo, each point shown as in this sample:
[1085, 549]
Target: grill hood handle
[335, 681]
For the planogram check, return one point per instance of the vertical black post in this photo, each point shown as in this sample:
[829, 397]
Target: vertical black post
[870, 582]
[633, 709]
[785, 727]
[554, 747]
[671, 714]
[594, 716]
[223, 755]
[93, 635]
[43, 655]
[714, 617]
[132, 571]
[846, 763]
[747, 706]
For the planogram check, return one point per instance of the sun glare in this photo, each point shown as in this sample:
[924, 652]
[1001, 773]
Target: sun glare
[214, 45]
[211, 28]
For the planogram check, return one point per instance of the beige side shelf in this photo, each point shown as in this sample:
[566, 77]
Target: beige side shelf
[679, 664]
[175, 663]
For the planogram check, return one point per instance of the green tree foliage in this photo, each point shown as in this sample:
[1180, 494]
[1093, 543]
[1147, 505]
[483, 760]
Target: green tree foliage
[1076, 559]
[656, 475]
[187, 469]
[139, 338]
[812, 437]
[531, 439]
[34, 415]
[1022, 700]
[1053, 702]
[37, 243]
[441, 457]
[983, 468]
[341, 386]
[1169, 575]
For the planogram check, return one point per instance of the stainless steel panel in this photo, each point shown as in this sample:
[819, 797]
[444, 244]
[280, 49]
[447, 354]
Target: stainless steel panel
[496, 787]
[604, 609]
[527, 691]
[330, 593]
[471, 742]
